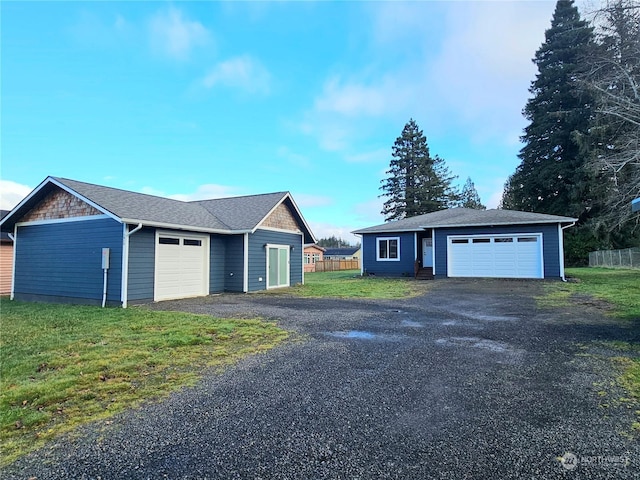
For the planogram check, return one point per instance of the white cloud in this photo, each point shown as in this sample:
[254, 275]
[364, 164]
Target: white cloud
[484, 67]
[12, 193]
[174, 36]
[244, 73]
[358, 98]
[326, 230]
[375, 156]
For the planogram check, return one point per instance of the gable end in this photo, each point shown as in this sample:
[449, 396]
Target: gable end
[59, 204]
[282, 219]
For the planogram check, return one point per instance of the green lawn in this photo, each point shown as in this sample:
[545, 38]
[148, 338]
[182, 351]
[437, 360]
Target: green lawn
[620, 289]
[62, 366]
[349, 284]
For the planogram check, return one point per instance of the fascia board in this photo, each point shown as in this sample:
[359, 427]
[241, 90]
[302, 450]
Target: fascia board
[175, 226]
[84, 199]
[295, 206]
[499, 224]
[394, 230]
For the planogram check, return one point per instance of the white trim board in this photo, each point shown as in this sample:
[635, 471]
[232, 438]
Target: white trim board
[66, 220]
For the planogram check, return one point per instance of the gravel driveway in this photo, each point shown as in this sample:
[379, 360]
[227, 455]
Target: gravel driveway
[471, 380]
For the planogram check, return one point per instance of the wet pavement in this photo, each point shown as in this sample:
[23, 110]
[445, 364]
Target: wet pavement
[470, 380]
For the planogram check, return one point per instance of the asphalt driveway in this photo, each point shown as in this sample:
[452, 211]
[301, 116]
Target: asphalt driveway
[471, 380]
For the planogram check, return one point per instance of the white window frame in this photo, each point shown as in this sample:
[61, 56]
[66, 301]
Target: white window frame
[387, 239]
[279, 247]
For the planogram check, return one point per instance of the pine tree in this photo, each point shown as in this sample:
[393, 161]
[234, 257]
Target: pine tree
[418, 183]
[552, 177]
[469, 197]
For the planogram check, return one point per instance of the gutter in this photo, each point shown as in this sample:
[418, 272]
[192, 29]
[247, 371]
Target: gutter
[174, 226]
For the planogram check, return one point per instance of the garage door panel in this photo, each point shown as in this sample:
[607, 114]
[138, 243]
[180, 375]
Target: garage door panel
[182, 263]
[517, 256]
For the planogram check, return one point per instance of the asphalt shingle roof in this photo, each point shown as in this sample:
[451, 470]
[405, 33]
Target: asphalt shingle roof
[465, 217]
[222, 215]
[146, 208]
[341, 251]
[242, 213]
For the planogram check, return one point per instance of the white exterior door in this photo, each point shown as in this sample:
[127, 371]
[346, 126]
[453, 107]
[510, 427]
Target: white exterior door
[427, 252]
[181, 266]
[500, 256]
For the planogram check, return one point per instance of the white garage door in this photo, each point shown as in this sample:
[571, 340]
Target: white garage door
[501, 256]
[182, 266]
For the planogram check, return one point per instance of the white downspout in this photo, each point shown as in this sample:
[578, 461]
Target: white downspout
[13, 261]
[125, 262]
[302, 255]
[433, 252]
[561, 237]
[245, 280]
[104, 288]
[361, 255]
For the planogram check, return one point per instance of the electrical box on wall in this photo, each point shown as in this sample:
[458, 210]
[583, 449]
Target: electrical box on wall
[105, 258]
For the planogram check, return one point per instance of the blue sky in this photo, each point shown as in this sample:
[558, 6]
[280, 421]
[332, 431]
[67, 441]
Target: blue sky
[201, 100]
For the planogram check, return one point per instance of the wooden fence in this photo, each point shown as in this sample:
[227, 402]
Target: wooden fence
[335, 265]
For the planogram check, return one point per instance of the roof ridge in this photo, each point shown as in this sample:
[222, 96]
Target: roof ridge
[63, 180]
[282, 193]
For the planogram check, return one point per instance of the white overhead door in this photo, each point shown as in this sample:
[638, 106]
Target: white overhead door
[502, 256]
[181, 266]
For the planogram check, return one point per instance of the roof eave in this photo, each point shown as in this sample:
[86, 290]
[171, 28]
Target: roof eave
[298, 212]
[392, 230]
[175, 226]
[500, 224]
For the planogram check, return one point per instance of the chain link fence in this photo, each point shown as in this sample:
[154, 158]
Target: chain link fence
[625, 258]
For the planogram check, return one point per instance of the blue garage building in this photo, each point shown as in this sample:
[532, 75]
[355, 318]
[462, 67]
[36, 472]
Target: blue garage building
[155, 248]
[462, 242]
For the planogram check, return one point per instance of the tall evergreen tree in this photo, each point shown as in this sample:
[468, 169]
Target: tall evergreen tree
[469, 197]
[418, 183]
[613, 75]
[552, 177]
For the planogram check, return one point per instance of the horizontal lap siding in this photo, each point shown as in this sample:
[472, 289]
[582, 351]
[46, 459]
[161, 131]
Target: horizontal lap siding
[142, 254]
[142, 264]
[403, 267]
[258, 256]
[64, 260]
[217, 246]
[550, 246]
[6, 267]
[234, 263]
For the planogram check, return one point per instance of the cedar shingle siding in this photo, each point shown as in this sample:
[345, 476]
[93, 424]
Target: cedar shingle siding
[60, 237]
[59, 204]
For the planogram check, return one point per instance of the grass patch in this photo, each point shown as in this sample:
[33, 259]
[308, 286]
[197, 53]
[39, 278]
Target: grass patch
[349, 284]
[63, 366]
[616, 290]
[617, 293]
